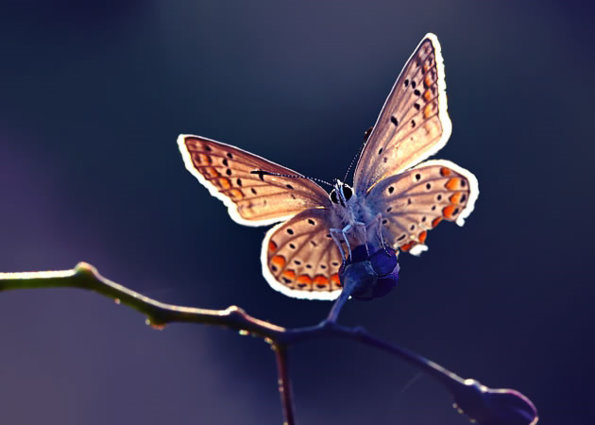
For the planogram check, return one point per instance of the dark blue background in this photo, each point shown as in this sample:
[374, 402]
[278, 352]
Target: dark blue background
[92, 98]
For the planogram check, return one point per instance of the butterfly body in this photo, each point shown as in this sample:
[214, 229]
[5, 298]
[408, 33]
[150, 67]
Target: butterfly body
[395, 199]
[353, 222]
[350, 207]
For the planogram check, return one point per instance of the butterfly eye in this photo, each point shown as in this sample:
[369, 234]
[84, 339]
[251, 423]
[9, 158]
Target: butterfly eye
[347, 192]
[333, 197]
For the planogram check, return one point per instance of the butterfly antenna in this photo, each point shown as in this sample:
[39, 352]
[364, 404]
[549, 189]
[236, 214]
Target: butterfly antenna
[359, 151]
[352, 162]
[262, 173]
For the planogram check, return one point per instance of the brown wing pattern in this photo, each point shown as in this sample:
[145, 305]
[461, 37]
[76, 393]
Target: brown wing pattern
[300, 259]
[252, 199]
[417, 200]
[413, 123]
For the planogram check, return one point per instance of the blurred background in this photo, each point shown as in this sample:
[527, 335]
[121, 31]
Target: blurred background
[93, 96]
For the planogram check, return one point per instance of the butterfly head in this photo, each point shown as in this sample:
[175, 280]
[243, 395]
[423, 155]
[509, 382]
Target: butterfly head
[341, 193]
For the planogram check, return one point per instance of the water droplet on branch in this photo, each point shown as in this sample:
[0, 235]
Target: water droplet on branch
[155, 325]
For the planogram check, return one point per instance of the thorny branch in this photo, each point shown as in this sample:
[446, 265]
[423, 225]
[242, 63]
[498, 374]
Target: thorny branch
[482, 404]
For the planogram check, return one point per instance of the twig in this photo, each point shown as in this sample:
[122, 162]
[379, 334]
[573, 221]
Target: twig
[85, 276]
[284, 383]
[483, 404]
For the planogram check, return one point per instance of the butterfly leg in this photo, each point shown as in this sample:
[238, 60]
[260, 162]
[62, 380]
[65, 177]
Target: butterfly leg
[337, 234]
[358, 229]
[344, 232]
[361, 233]
[376, 227]
[379, 228]
[341, 236]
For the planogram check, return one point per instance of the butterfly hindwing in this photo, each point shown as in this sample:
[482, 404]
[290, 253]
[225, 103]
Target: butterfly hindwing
[253, 199]
[413, 123]
[413, 202]
[300, 259]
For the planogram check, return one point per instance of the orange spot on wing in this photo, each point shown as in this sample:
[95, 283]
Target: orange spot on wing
[205, 159]
[456, 198]
[436, 221]
[211, 172]
[428, 63]
[428, 79]
[304, 279]
[289, 274]
[444, 171]
[224, 183]
[272, 246]
[453, 184]
[236, 194]
[407, 246]
[428, 110]
[449, 211]
[428, 95]
[335, 279]
[201, 158]
[320, 280]
[278, 260]
[422, 236]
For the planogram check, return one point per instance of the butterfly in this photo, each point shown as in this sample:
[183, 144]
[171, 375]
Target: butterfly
[394, 201]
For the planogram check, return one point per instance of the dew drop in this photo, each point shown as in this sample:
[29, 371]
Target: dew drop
[155, 325]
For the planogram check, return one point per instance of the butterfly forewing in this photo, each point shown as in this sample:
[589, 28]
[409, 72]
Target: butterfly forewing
[413, 202]
[413, 123]
[252, 199]
[300, 259]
